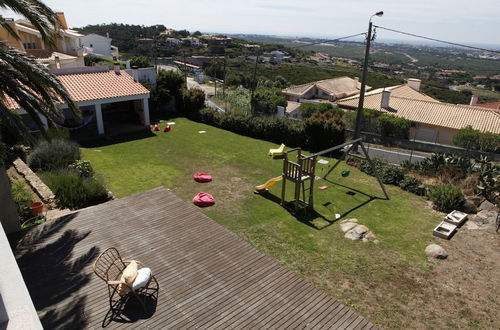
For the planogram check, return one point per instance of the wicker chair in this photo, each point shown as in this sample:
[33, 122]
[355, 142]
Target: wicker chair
[109, 266]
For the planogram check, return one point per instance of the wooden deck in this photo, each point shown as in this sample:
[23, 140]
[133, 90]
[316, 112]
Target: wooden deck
[209, 278]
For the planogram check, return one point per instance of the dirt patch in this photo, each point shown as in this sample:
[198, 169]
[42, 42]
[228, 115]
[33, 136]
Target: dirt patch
[460, 292]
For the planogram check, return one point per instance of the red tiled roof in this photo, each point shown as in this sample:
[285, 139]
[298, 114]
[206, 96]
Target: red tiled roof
[94, 86]
[494, 105]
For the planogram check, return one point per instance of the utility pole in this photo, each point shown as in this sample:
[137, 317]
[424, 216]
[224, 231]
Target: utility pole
[359, 115]
[254, 84]
[224, 78]
[185, 68]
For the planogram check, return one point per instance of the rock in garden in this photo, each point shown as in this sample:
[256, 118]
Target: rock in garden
[349, 220]
[347, 226]
[356, 233]
[487, 206]
[475, 199]
[369, 236]
[436, 251]
[485, 219]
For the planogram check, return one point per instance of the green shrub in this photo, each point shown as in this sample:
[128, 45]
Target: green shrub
[266, 100]
[324, 130]
[470, 138]
[413, 185]
[370, 122]
[83, 167]
[193, 100]
[277, 130]
[53, 155]
[446, 197]
[389, 174]
[367, 168]
[140, 62]
[23, 197]
[308, 109]
[390, 125]
[72, 190]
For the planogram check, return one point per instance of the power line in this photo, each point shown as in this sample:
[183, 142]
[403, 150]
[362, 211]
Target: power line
[437, 40]
[332, 40]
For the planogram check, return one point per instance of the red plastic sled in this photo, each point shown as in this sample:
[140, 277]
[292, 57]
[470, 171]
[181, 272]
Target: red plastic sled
[202, 177]
[203, 200]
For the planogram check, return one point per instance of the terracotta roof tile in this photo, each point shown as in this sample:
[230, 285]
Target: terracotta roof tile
[433, 113]
[94, 86]
[494, 105]
[341, 86]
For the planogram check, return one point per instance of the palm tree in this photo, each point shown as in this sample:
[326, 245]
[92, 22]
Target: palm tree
[25, 80]
[30, 84]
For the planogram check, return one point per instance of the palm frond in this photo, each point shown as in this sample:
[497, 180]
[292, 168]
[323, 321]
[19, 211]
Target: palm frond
[32, 86]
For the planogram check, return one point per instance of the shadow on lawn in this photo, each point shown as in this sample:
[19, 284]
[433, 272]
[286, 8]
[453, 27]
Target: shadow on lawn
[121, 138]
[52, 272]
[313, 218]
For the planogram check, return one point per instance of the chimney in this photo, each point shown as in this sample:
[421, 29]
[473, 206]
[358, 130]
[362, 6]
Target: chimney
[58, 62]
[474, 99]
[414, 83]
[62, 20]
[117, 67]
[384, 102]
[356, 82]
[107, 35]
[135, 73]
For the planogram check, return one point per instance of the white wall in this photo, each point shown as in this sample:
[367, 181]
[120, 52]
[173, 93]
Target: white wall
[16, 306]
[145, 75]
[101, 45]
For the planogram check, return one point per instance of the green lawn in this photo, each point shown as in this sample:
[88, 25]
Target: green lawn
[376, 280]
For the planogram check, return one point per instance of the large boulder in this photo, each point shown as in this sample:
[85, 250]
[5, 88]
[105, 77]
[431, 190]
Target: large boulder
[487, 206]
[369, 237]
[485, 219]
[436, 251]
[348, 225]
[357, 232]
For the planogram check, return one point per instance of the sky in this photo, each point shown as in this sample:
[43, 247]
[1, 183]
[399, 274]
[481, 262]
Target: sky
[475, 22]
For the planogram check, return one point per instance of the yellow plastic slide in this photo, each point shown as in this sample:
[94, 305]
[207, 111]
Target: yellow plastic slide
[269, 183]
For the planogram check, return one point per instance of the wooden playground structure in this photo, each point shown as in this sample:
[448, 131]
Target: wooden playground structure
[301, 171]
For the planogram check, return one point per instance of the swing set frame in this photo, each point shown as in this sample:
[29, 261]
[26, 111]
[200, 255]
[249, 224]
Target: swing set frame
[302, 173]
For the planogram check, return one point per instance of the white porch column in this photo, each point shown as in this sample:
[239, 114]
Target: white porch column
[145, 109]
[98, 117]
[44, 120]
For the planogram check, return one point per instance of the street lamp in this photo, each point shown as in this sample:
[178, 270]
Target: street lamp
[359, 115]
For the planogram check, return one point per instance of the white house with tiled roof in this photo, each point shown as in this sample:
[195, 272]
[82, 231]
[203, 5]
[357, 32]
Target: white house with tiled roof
[67, 52]
[100, 94]
[328, 89]
[433, 121]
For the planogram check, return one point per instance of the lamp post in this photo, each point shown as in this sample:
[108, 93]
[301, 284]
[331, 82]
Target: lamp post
[359, 115]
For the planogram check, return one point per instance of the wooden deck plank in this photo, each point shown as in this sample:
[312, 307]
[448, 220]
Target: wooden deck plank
[208, 276]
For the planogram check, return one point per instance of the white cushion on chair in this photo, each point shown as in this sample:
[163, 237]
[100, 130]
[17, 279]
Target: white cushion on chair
[143, 276]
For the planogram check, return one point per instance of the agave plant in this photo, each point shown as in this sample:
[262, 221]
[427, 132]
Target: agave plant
[489, 182]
